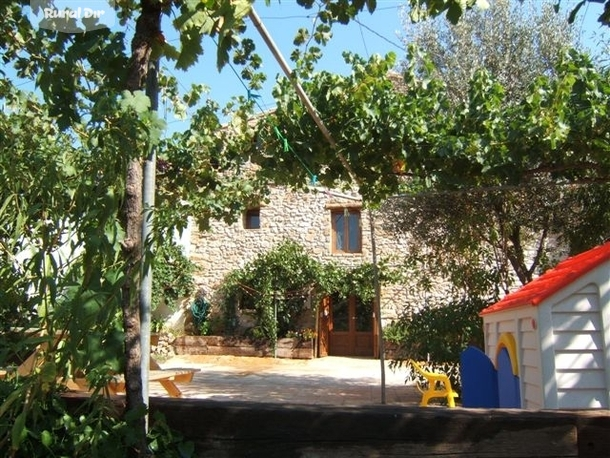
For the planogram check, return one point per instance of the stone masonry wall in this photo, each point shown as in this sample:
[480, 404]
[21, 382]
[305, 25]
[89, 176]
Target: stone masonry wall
[305, 218]
[302, 217]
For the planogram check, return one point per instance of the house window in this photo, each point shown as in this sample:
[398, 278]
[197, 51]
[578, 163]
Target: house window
[346, 233]
[252, 218]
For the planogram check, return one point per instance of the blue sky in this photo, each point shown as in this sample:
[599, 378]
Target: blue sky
[372, 33]
[376, 33]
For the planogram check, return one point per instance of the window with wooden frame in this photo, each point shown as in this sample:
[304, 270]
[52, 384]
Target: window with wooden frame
[252, 218]
[346, 231]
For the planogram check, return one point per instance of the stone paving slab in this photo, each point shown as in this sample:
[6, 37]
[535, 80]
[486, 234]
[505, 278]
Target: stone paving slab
[321, 381]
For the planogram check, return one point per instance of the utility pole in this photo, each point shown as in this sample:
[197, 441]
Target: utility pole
[377, 305]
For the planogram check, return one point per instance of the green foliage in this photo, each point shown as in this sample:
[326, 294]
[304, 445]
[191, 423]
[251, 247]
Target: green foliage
[589, 217]
[555, 132]
[47, 428]
[494, 166]
[201, 172]
[163, 442]
[500, 225]
[515, 42]
[283, 279]
[157, 325]
[438, 335]
[455, 9]
[302, 334]
[396, 331]
[59, 260]
[364, 115]
[200, 310]
[13, 296]
[441, 333]
[172, 274]
[45, 425]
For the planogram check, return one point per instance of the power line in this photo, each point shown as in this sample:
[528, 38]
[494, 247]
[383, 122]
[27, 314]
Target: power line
[399, 46]
[360, 23]
[363, 40]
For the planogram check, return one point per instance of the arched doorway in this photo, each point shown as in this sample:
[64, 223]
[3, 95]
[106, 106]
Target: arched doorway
[346, 327]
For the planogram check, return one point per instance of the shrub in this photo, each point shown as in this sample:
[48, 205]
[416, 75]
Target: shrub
[46, 426]
[172, 275]
[275, 287]
[437, 335]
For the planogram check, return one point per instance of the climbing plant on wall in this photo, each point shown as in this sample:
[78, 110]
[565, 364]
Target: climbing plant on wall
[278, 285]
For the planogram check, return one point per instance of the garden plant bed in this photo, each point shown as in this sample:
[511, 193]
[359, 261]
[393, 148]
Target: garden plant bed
[239, 346]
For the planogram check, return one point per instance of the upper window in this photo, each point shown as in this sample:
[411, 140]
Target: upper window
[347, 236]
[252, 218]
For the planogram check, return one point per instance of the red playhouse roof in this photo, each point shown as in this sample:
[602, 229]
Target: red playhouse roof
[552, 280]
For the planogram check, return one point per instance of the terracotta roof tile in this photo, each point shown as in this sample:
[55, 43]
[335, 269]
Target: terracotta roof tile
[568, 270]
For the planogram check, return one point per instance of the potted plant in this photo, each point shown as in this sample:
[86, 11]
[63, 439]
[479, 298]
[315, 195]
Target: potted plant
[156, 328]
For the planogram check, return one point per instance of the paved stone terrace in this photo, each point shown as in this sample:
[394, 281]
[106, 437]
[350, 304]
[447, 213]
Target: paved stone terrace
[322, 381]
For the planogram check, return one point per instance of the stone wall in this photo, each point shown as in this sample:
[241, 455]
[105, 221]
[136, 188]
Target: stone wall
[286, 347]
[302, 217]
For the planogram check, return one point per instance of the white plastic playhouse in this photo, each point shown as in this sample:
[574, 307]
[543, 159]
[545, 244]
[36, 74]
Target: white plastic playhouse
[550, 341]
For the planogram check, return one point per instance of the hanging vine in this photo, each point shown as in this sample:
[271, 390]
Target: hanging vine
[278, 285]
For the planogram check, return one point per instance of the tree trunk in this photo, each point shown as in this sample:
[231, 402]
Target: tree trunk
[148, 29]
[132, 214]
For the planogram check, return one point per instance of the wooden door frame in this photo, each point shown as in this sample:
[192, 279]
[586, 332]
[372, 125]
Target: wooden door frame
[325, 323]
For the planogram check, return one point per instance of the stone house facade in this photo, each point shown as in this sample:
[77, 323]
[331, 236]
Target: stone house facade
[330, 225]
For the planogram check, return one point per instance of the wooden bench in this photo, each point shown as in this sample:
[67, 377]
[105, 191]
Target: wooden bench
[166, 377]
[439, 386]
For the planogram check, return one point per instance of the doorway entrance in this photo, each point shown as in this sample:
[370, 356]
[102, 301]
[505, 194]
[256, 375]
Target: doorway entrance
[347, 327]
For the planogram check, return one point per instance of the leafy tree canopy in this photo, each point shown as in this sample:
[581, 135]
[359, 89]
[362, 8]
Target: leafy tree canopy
[454, 9]
[557, 129]
[514, 41]
[484, 239]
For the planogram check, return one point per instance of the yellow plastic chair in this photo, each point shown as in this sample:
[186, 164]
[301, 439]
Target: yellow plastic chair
[439, 386]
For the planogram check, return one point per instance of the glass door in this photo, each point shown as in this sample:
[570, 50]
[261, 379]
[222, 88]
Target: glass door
[351, 327]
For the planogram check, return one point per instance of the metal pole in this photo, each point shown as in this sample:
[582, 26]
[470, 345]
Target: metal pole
[286, 69]
[275, 318]
[148, 197]
[378, 305]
